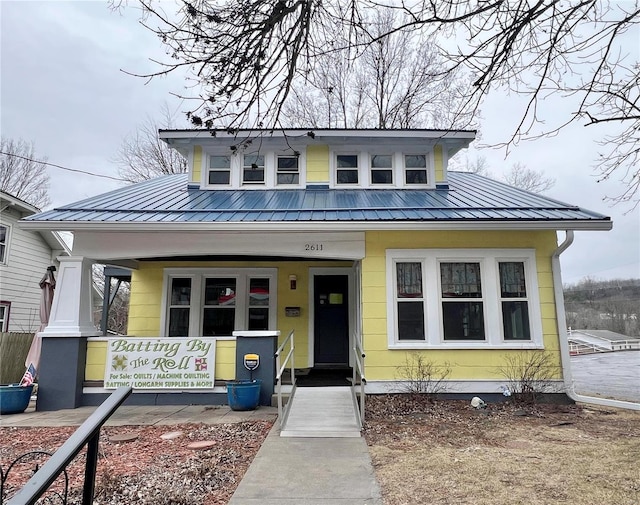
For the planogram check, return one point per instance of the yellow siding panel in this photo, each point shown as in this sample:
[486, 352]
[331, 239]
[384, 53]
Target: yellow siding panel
[382, 363]
[196, 169]
[318, 164]
[438, 162]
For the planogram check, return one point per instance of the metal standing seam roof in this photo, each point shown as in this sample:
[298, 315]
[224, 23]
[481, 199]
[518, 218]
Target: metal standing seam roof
[168, 199]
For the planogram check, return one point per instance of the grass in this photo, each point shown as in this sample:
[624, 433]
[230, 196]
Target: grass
[450, 453]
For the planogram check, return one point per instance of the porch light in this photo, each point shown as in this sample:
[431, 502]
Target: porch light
[293, 281]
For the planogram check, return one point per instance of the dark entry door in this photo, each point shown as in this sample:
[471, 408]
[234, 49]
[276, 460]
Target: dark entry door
[331, 319]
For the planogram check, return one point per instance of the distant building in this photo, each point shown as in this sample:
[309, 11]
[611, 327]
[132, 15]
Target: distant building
[24, 258]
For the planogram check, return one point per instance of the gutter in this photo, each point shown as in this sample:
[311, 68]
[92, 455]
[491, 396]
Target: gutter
[564, 341]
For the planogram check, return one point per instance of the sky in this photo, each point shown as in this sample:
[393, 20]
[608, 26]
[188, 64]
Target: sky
[64, 87]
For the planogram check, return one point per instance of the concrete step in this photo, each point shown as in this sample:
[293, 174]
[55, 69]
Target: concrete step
[325, 412]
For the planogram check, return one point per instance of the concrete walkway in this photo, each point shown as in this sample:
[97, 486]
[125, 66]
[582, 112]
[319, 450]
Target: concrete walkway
[139, 415]
[307, 471]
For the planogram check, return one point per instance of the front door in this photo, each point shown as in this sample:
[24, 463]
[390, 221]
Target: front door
[331, 319]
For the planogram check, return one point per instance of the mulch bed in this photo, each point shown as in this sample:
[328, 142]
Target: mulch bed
[203, 465]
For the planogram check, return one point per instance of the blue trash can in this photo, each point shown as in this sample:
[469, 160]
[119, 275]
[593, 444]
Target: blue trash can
[243, 394]
[14, 398]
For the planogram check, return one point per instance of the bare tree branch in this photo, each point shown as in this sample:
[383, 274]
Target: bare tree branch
[21, 174]
[144, 156]
[247, 55]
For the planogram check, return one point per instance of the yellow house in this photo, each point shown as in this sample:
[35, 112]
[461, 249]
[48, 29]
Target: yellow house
[346, 238]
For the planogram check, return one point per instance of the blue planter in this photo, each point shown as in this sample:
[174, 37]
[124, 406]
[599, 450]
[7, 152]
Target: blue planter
[243, 395]
[14, 398]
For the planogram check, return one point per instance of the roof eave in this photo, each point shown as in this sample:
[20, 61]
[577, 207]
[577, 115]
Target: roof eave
[468, 225]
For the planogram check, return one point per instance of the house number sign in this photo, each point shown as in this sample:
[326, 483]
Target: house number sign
[160, 363]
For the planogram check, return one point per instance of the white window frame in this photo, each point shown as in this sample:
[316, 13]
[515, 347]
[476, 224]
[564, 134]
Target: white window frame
[392, 169]
[430, 169]
[5, 310]
[198, 276]
[278, 172]
[264, 166]
[237, 170]
[7, 239]
[491, 297]
[362, 162]
[210, 169]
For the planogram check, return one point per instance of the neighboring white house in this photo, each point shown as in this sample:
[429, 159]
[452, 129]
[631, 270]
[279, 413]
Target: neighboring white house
[24, 258]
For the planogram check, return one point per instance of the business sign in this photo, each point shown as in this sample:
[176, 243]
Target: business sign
[160, 363]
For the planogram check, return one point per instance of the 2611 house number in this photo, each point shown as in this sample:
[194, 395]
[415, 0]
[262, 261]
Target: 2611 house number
[314, 247]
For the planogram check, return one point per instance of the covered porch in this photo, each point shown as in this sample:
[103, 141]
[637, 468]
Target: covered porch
[194, 285]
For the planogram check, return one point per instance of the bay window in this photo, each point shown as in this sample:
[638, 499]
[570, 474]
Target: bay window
[463, 298]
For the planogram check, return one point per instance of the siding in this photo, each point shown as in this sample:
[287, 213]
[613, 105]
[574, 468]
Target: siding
[382, 363]
[318, 164]
[196, 169]
[146, 305]
[28, 258]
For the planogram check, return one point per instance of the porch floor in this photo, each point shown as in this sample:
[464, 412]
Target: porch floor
[325, 412]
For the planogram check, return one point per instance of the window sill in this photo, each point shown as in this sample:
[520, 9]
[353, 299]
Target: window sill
[464, 345]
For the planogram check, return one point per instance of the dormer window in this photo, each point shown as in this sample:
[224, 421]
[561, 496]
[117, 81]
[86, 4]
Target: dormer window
[415, 169]
[253, 169]
[219, 170]
[288, 171]
[381, 169]
[347, 169]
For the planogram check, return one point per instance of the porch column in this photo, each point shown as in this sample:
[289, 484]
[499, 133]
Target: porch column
[64, 340]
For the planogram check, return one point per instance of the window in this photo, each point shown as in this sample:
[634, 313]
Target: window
[4, 315]
[253, 169]
[381, 169]
[347, 169]
[4, 243]
[217, 301]
[287, 171]
[219, 312]
[179, 308]
[513, 295]
[219, 170]
[415, 169]
[410, 301]
[463, 298]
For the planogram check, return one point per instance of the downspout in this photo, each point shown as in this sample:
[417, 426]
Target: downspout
[564, 341]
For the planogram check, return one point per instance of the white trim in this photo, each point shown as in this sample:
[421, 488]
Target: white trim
[242, 277]
[326, 226]
[349, 272]
[7, 241]
[124, 245]
[236, 168]
[318, 132]
[489, 259]
[461, 386]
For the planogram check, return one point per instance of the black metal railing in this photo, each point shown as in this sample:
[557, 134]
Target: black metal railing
[87, 434]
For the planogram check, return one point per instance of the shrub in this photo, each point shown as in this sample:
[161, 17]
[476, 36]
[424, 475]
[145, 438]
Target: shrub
[529, 375]
[422, 376]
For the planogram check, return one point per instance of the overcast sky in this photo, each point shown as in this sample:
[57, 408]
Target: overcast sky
[62, 87]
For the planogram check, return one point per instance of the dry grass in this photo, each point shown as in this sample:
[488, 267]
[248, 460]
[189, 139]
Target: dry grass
[449, 453]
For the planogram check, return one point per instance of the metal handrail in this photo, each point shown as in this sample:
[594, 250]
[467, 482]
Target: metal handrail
[358, 370]
[283, 414]
[87, 434]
